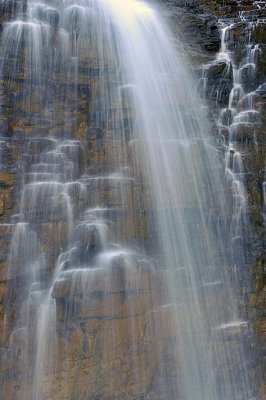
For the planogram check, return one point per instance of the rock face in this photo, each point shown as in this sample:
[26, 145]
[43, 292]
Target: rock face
[247, 20]
[98, 354]
[106, 319]
[10, 8]
[93, 328]
[217, 81]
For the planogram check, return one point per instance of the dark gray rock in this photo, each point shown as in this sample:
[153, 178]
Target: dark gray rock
[219, 81]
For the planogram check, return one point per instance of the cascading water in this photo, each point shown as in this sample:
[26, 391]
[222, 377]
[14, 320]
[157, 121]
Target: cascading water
[239, 121]
[136, 237]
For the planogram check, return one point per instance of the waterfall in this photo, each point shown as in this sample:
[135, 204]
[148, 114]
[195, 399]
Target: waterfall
[120, 262]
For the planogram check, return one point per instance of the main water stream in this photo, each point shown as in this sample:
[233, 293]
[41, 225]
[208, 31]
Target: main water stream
[159, 173]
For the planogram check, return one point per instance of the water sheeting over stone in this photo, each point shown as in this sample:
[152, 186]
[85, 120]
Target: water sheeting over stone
[122, 246]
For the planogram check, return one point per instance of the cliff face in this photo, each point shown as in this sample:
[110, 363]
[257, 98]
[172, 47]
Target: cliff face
[97, 353]
[98, 357]
[201, 23]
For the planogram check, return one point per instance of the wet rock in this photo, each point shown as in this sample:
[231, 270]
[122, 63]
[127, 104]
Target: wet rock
[10, 8]
[262, 90]
[100, 333]
[37, 146]
[224, 132]
[218, 70]
[236, 95]
[226, 116]
[98, 132]
[219, 81]
[247, 76]
[51, 15]
[61, 289]
[251, 101]
[249, 117]
[74, 151]
[5, 156]
[4, 101]
[5, 128]
[232, 330]
[89, 244]
[7, 187]
[241, 132]
[115, 280]
[200, 28]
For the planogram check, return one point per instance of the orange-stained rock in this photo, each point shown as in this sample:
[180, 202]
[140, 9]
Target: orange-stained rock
[7, 186]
